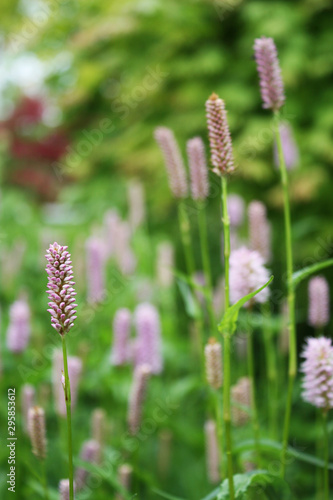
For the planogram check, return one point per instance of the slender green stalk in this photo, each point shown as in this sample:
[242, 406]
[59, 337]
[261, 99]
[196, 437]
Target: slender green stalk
[69, 419]
[326, 456]
[291, 293]
[219, 421]
[46, 493]
[254, 411]
[226, 344]
[206, 263]
[271, 371]
[185, 231]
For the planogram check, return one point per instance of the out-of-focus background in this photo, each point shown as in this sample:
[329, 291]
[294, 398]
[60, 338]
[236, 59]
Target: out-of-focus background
[82, 87]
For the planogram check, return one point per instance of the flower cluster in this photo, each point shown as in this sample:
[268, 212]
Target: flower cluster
[60, 288]
[198, 168]
[318, 372]
[18, 332]
[319, 310]
[259, 229]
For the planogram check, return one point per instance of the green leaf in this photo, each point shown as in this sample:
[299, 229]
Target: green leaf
[302, 274]
[258, 484]
[229, 320]
[191, 306]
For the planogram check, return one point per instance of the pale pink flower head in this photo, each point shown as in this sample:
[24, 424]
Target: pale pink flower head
[247, 274]
[289, 147]
[319, 308]
[236, 209]
[318, 372]
[221, 154]
[60, 288]
[271, 84]
[95, 266]
[198, 168]
[90, 452]
[121, 337]
[18, 333]
[173, 161]
[137, 396]
[148, 342]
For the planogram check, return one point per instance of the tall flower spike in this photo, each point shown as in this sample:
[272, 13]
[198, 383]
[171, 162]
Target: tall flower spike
[318, 372]
[271, 84]
[137, 396]
[121, 337]
[148, 341]
[60, 288]
[28, 396]
[213, 361]
[259, 229]
[173, 161]
[18, 332]
[198, 168]
[212, 452]
[165, 264]
[236, 209]
[247, 274]
[219, 136]
[241, 396]
[319, 311]
[90, 452]
[36, 427]
[124, 478]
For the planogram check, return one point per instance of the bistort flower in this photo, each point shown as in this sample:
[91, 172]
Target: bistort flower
[319, 307]
[60, 288]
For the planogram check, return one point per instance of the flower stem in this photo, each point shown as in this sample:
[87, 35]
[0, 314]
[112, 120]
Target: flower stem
[46, 493]
[69, 419]
[326, 456]
[226, 344]
[255, 423]
[219, 421]
[291, 292]
[206, 263]
[185, 232]
[271, 371]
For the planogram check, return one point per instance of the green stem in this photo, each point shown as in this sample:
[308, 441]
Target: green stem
[326, 456]
[254, 412]
[226, 345]
[291, 293]
[271, 371]
[69, 419]
[206, 263]
[46, 493]
[219, 422]
[185, 232]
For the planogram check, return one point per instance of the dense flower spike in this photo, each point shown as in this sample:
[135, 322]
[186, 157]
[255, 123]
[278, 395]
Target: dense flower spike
[241, 396]
[36, 428]
[136, 205]
[124, 478]
[125, 257]
[18, 332]
[213, 362]
[271, 84]
[259, 230]
[198, 168]
[219, 136]
[236, 209]
[60, 285]
[28, 396]
[173, 161]
[289, 147]
[74, 372]
[137, 395]
[247, 274]
[318, 372]
[90, 452]
[148, 342]
[64, 489]
[319, 309]
[121, 337]
[212, 452]
[95, 266]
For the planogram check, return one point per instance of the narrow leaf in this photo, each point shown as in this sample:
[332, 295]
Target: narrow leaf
[302, 274]
[229, 320]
